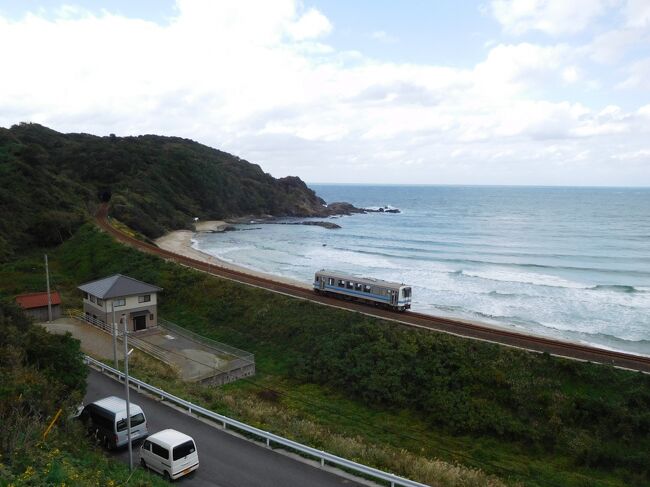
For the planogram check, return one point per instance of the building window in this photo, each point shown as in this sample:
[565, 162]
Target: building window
[100, 302]
[92, 298]
[150, 317]
[85, 295]
[145, 298]
[119, 302]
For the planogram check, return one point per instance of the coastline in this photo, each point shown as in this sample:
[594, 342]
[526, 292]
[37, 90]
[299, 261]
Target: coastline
[180, 242]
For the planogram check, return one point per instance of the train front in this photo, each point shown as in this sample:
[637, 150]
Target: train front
[404, 302]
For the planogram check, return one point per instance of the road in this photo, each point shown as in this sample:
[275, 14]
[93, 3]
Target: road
[225, 460]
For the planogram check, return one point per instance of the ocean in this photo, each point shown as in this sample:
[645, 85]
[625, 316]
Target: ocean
[564, 262]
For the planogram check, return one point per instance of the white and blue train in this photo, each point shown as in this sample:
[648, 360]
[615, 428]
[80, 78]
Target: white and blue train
[372, 291]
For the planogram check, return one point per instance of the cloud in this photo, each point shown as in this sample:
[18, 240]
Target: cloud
[311, 25]
[259, 79]
[552, 17]
[612, 46]
[383, 36]
[638, 13]
[638, 76]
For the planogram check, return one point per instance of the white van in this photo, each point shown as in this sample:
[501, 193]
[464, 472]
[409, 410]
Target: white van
[106, 420]
[169, 452]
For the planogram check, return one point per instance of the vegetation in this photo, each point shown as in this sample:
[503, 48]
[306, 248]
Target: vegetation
[518, 415]
[32, 390]
[52, 181]
[408, 400]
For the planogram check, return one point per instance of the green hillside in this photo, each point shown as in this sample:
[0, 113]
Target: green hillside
[51, 182]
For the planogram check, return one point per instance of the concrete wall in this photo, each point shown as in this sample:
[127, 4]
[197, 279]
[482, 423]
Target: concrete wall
[230, 376]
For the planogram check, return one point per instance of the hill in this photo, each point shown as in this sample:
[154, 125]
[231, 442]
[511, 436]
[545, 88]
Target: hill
[51, 182]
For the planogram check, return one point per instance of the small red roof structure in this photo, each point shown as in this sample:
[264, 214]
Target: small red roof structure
[37, 300]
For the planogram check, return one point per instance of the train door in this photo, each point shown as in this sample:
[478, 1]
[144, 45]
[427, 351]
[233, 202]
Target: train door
[322, 282]
[394, 295]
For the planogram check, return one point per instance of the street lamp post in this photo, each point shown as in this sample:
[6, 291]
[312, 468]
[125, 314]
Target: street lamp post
[126, 388]
[114, 333]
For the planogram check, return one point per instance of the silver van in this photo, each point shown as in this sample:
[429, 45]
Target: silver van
[170, 453]
[106, 420]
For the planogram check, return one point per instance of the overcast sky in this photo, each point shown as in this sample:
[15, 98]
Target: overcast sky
[366, 91]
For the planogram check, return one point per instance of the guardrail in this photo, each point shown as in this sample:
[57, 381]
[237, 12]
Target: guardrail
[270, 438]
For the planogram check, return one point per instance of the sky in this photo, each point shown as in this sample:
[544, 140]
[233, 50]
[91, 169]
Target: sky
[532, 92]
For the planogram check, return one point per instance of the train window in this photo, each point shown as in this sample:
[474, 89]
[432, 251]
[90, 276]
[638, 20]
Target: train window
[317, 279]
[330, 281]
[406, 292]
[358, 287]
[366, 289]
[350, 285]
[341, 283]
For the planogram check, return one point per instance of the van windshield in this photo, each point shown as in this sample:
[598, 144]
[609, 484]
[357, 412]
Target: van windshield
[183, 449]
[136, 419]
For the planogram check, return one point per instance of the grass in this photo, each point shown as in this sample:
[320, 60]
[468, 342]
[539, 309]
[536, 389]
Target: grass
[68, 458]
[421, 404]
[262, 408]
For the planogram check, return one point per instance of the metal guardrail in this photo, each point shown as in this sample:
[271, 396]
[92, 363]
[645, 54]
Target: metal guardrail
[324, 457]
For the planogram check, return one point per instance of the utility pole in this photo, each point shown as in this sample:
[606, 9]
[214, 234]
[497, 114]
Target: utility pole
[49, 298]
[126, 387]
[114, 330]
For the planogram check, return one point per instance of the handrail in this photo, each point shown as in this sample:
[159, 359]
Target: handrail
[323, 456]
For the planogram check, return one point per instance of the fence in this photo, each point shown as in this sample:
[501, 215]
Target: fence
[222, 347]
[270, 438]
[157, 352]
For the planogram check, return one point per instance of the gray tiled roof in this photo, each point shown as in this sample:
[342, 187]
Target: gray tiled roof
[117, 286]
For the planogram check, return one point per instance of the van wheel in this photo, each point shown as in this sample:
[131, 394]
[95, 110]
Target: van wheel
[166, 476]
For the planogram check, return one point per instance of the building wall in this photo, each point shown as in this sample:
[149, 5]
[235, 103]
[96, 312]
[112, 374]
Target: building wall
[132, 305]
[41, 314]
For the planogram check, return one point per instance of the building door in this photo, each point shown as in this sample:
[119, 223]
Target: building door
[139, 322]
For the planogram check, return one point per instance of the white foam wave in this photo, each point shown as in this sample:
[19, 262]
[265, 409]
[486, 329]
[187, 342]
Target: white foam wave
[524, 278]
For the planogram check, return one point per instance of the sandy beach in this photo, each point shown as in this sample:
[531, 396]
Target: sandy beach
[180, 242]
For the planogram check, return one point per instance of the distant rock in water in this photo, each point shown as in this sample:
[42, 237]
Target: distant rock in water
[340, 208]
[329, 225]
[385, 209]
[343, 208]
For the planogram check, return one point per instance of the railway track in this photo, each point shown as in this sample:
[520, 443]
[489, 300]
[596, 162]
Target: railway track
[460, 328]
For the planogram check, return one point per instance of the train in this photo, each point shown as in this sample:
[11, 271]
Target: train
[391, 295]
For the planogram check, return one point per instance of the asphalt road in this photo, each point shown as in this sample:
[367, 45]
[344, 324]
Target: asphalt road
[224, 459]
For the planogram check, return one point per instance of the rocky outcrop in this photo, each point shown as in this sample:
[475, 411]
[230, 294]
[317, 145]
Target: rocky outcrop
[343, 208]
[385, 209]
